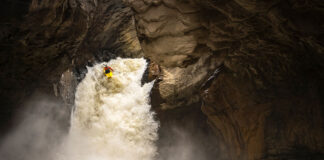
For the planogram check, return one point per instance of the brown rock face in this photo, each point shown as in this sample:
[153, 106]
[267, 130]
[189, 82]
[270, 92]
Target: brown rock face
[267, 103]
[172, 35]
[58, 36]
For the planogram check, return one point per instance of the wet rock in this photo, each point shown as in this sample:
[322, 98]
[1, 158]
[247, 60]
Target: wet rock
[55, 36]
[154, 71]
[267, 102]
[67, 87]
[169, 34]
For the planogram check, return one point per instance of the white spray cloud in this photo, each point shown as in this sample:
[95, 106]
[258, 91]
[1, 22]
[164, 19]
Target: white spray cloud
[39, 130]
[112, 120]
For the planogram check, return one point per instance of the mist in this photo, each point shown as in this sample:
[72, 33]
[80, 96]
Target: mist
[39, 130]
[181, 146]
[112, 121]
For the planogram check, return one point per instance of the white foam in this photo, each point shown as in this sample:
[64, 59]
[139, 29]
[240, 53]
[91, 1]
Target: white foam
[112, 119]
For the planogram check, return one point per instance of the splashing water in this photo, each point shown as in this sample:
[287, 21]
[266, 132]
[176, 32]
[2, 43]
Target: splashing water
[112, 119]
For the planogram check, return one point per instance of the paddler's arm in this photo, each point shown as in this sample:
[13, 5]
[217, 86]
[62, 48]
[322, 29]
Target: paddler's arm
[110, 68]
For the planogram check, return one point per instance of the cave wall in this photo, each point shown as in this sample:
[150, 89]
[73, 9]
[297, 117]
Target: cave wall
[53, 37]
[267, 102]
[173, 36]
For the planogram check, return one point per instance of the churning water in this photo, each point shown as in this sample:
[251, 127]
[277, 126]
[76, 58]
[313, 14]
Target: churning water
[112, 119]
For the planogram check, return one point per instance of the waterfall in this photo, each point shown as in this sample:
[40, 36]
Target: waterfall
[112, 119]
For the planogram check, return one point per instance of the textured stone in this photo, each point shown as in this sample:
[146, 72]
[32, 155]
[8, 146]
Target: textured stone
[161, 20]
[170, 34]
[267, 101]
[67, 87]
[56, 36]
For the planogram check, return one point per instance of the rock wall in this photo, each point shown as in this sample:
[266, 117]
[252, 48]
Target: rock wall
[59, 36]
[267, 103]
[172, 35]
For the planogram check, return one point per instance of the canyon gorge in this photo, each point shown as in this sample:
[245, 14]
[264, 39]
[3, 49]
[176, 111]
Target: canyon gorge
[233, 79]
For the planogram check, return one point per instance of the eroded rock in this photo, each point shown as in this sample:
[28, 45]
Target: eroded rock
[170, 33]
[263, 104]
[55, 36]
[67, 87]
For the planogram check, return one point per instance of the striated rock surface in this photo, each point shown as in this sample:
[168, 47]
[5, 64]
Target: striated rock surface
[269, 96]
[67, 87]
[56, 36]
[172, 35]
[267, 102]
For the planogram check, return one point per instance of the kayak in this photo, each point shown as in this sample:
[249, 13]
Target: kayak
[109, 75]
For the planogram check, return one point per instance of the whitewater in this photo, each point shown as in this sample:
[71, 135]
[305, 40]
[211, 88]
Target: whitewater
[112, 118]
